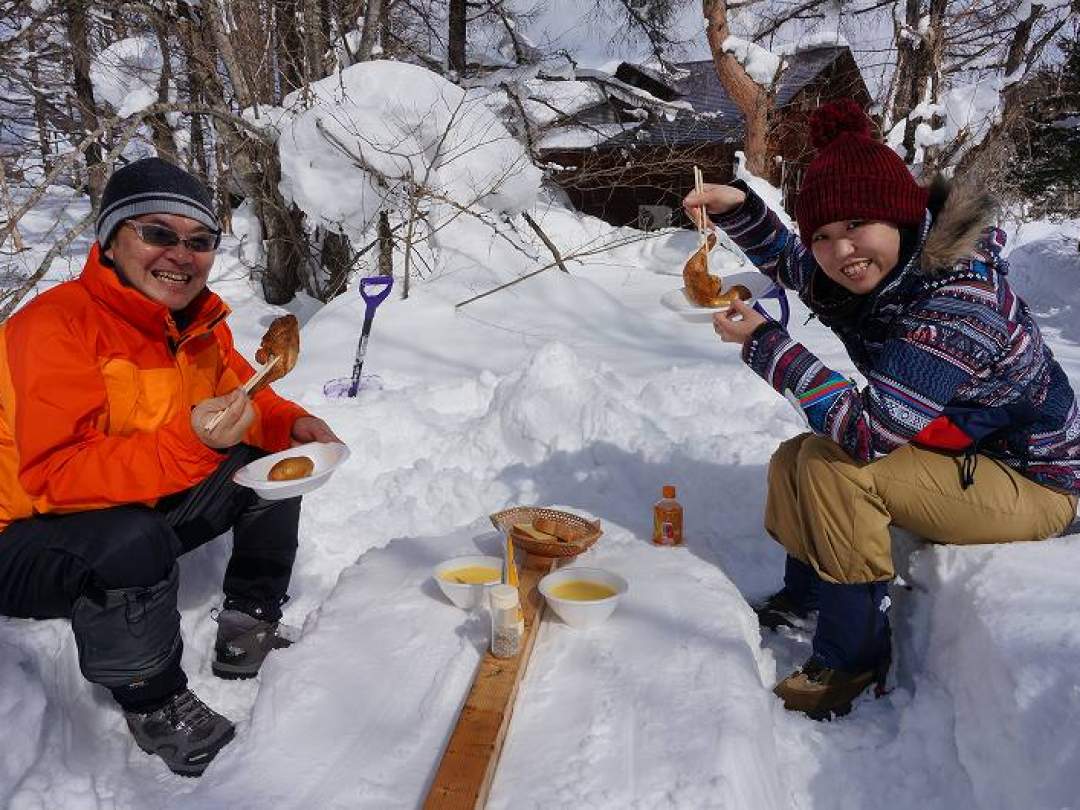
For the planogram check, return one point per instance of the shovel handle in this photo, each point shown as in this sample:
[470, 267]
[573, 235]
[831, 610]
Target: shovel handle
[373, 299]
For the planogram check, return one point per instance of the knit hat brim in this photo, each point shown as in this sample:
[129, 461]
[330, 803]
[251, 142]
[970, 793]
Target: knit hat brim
[153, 186]
[152, 203]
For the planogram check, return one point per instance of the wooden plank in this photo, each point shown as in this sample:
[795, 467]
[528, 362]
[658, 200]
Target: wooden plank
[467, 768]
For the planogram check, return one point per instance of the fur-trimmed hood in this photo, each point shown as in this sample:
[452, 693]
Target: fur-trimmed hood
[962, 213]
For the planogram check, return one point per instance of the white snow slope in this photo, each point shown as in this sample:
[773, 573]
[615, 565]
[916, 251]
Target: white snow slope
[577, 391]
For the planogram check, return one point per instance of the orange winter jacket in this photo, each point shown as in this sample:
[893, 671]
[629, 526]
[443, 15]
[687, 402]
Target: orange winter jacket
[96, 389]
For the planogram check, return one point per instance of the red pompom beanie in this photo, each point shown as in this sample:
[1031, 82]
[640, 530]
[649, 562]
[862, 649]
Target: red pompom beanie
[854, 175]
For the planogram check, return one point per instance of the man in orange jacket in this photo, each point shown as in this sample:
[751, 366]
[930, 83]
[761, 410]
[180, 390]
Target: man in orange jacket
[108, 474]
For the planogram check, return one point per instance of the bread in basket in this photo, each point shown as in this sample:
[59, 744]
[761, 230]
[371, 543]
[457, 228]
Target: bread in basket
[569, 534]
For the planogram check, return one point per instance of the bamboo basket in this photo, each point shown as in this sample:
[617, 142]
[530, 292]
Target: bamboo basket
[588, 531]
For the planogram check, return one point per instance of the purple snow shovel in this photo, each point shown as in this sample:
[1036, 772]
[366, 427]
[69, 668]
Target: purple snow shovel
[348, 386]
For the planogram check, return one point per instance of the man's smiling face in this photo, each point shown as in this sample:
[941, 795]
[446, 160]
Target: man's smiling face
[171, 276]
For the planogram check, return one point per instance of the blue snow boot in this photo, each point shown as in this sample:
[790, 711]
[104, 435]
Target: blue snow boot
[792, 605]
[852, 650]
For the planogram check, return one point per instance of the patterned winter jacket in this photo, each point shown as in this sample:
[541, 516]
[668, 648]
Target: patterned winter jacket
[953, 357]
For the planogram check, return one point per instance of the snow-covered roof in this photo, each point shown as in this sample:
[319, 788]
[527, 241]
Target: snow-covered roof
[715, 117]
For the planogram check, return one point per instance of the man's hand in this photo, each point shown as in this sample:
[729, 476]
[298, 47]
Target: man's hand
[716, 198]
[737, 323]
[233, 425]
[311, 429]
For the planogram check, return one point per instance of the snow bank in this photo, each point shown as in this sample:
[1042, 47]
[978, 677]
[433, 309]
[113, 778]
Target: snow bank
[126, 74]
[379, 130]
[1046, 274]
[1004, 641]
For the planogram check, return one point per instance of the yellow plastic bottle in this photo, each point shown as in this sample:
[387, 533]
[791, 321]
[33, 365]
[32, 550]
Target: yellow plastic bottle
[667, 519]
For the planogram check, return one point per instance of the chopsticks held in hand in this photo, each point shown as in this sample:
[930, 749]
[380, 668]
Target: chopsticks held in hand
[248, 386]
[699, 187]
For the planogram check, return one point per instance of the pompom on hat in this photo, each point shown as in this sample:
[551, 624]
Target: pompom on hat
[854, 175]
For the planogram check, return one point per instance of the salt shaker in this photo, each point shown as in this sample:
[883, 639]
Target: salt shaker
[506, 631]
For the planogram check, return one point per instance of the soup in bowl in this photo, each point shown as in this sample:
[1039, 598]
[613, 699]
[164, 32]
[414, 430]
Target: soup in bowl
[583, 597]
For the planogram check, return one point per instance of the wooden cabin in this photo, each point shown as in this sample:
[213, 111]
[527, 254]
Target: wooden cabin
[639, 175]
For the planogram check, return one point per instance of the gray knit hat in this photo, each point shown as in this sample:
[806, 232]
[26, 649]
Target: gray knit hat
[152, 186]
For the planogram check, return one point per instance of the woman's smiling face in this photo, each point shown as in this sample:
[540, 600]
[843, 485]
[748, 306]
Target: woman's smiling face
[857, 253]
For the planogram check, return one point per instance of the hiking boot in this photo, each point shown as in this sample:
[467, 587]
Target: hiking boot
[782, 610]
[243, 642]
[822, 693]
[185, 733]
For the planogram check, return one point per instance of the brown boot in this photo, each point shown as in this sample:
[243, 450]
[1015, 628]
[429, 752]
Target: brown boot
[822, 693]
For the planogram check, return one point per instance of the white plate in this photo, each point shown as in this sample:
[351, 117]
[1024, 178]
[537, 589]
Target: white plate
[326, 455]
[757, 283]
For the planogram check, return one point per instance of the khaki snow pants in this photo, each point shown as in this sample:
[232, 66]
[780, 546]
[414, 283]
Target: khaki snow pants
[834, 513]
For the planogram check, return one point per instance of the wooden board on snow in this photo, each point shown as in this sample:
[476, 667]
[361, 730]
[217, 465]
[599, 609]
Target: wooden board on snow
[467, 768]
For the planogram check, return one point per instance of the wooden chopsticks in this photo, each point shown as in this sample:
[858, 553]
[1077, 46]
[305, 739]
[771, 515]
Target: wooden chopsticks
[262, 372]
[699, 187]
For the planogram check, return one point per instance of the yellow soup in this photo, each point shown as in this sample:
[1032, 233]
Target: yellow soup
[580, 590]
[472, 575]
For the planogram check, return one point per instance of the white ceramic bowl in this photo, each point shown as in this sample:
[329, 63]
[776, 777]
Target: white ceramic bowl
[327, 456]
[583, 614]
[462, 595]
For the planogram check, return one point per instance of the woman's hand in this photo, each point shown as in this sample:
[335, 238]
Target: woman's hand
[717, 199]
[231, 427]
[312, 429]
[738, 331]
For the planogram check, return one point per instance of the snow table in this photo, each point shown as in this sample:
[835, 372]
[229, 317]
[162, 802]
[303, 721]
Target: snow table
[467, 768]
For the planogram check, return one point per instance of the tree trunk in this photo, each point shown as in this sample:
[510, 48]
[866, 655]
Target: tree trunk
[290, 46]
[314, 40]
[455, 50]
[160, 128]
[335, 258]
[41, 118]
[922, 66]
[371, 28]
[255, 166]
[198, 157]
[753, 100]
[980, 160]
[386, 245]
[75, 13]
[903, 93]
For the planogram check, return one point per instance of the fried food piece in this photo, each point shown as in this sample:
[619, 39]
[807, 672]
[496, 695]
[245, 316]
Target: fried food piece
[728, 297]
[529, 530]
[703, 288]
[291, 468]
[566, 534]
[282, 340]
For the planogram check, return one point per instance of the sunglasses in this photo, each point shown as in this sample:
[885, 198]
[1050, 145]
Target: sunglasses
[160, 236]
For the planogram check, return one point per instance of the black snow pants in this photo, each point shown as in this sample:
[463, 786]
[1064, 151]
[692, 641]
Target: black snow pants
[113, 572]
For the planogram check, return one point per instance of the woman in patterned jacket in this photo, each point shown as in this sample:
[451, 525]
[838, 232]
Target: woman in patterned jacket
[967, 430]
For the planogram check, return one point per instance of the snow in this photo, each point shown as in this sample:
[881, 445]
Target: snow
[760, 64]
[807, 42]
[576, 391]
[1046, 272]
[549, 100]
[773, 196]
[594, 33]
[378, 130]
[581, 136]
[126, 74]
